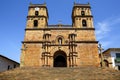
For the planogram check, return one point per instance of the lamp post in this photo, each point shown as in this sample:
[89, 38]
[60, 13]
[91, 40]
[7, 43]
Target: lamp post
[101, 55]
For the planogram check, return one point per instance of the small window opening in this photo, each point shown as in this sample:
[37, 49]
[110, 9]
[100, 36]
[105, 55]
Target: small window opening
[82, 13]
[35, 23]
[36, 13]
[84, 23]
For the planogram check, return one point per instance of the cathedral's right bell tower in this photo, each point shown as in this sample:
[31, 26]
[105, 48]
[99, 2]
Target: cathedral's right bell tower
[81, 16]
[87, 46]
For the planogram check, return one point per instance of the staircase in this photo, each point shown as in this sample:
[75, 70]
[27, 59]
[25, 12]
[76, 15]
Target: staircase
[81, 73]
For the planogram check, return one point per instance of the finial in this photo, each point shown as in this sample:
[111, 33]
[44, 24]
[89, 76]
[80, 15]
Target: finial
[30, 3]
[88, 2]
[74, 1]
[60, 23]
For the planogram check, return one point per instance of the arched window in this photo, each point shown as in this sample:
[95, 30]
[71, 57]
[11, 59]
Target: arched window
[36, 13]
[60, 40]
[84, 23]
[82, 13]
[35, 23]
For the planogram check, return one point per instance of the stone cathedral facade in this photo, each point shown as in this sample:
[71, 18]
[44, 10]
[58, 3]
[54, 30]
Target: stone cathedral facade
[59, 45]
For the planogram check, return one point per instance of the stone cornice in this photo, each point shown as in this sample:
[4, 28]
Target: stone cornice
[60, 28]
[37, 5]
[80, 16]
[32, 41]
[58, 44]
[36, 16]
[86, 41]
[81, 6]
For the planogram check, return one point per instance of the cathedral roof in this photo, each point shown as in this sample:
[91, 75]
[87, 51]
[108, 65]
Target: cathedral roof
[60, 25]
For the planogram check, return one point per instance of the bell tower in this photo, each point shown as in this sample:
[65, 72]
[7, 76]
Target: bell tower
[81, 16]
[37, 16]
[37, 21]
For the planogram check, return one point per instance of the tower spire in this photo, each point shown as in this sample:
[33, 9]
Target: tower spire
[88, 3]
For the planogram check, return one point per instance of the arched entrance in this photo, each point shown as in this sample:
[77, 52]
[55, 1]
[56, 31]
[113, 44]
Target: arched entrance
[60, 59]
[106, 63]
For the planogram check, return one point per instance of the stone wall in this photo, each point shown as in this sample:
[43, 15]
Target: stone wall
[82, 28]
[87, 52]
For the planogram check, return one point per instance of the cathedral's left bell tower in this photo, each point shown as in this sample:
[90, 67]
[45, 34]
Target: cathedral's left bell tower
[37, 21]
[37, 16]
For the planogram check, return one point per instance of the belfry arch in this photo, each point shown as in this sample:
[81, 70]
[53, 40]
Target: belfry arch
[60, 59]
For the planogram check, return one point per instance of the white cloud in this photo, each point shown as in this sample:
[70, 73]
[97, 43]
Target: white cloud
[105, 29]
[105, 26]
[102, 29]
[105, 44]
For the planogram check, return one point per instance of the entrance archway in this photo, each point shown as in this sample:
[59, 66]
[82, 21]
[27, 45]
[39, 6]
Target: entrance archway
[60, 59]
[106, 63]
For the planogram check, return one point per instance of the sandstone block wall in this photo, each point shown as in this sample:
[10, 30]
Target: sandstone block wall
[87, 52]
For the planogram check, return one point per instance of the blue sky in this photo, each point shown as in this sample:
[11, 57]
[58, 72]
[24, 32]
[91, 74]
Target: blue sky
[13, 21]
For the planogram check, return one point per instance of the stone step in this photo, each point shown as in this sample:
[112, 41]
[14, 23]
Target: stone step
[81, 73]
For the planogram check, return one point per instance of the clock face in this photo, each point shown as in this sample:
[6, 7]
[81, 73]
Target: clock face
[37, 9]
